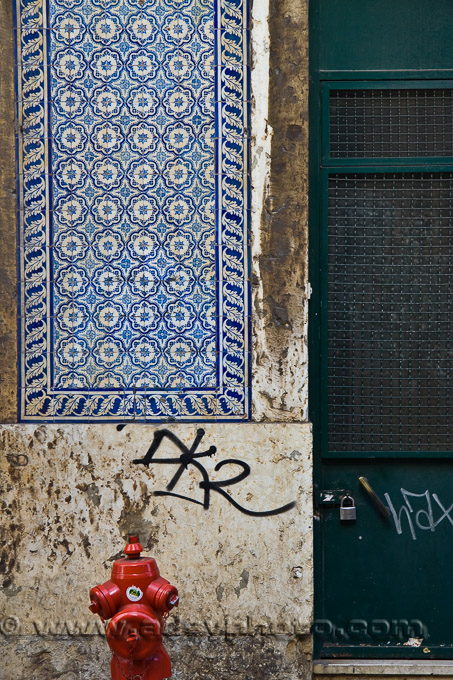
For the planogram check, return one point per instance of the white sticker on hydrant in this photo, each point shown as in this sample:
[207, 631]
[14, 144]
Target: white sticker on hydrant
[134, 594]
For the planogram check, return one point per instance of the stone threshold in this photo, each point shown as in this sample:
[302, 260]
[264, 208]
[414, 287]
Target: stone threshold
[381, 667]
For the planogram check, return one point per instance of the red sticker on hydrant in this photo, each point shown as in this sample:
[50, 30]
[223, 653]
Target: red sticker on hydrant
[134, 594]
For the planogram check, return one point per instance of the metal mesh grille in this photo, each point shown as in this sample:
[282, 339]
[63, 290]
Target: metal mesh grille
[391, 123]
[390, 312]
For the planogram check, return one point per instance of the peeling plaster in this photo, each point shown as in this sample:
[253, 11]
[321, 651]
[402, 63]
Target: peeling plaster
[279, 81]
[243, 583]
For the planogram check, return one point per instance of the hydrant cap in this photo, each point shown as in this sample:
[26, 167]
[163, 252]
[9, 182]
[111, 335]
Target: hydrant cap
[133, 548]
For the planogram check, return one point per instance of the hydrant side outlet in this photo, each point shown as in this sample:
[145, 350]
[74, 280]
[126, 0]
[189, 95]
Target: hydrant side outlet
[137, 600]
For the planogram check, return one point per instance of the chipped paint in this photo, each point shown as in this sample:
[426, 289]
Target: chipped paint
[413, 642]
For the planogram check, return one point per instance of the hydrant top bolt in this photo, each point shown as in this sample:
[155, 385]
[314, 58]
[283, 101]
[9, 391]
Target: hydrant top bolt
[133, 548]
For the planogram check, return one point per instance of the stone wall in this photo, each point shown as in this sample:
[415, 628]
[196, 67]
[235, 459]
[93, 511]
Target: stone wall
[71, 494]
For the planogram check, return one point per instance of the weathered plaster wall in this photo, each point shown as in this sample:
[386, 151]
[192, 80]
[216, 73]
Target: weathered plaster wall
[280, 235]
[80, 495]
[8, 222]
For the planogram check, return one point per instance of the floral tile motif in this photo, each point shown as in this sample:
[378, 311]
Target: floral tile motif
[133, 209]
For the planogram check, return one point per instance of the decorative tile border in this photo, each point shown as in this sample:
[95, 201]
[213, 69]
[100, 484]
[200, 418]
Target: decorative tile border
[133, 209]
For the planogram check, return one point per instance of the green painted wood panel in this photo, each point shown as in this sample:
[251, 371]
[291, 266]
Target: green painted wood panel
[378, 573]
[385, 34]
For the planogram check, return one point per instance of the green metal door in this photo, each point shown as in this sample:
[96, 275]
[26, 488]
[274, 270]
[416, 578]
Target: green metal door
[381, 325]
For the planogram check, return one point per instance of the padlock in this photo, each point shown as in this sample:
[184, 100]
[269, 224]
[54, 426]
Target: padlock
[348, 512]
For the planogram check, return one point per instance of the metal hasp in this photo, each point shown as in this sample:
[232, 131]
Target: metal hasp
[137, 600]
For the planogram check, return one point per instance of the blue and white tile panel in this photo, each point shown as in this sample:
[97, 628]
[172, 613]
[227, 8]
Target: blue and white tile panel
[133, 209]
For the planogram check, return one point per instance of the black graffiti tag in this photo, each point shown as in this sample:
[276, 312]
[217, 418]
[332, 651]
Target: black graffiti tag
[191, 457]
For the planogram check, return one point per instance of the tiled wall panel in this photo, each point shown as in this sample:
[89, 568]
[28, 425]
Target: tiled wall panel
[133, 209]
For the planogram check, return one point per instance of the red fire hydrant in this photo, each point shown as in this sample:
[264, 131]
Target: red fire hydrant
[137, 600]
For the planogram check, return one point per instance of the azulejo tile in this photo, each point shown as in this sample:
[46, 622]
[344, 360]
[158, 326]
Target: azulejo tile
[133, 209]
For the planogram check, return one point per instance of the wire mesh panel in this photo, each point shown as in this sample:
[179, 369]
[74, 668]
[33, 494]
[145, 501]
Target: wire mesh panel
[390, 311]
[392, 123]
